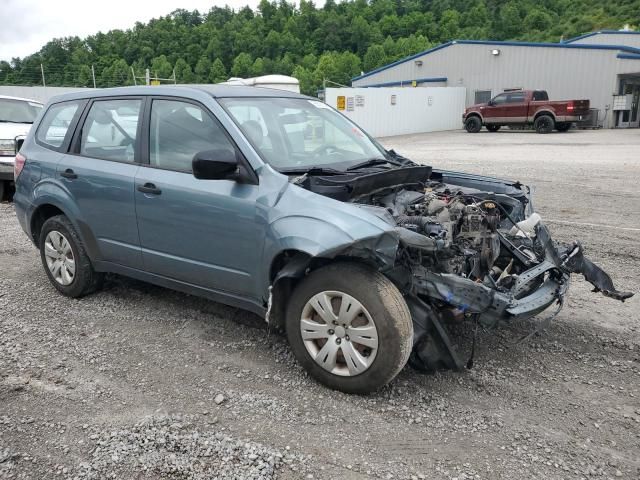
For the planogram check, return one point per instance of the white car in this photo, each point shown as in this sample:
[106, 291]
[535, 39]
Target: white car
[16, 117]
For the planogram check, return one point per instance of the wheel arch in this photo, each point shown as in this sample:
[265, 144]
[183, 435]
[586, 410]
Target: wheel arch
[539, 113]
[288, 268]
[474, 114]
[50, 207]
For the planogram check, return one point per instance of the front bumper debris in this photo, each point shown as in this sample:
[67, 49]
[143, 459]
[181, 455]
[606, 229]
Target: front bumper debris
[534, 291]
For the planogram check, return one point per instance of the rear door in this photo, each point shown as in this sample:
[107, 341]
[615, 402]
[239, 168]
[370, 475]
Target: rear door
[200, 232]
[99, 173]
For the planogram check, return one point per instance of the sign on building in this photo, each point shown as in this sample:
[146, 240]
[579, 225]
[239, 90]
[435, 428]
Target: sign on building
[350, 104]
[340, 102]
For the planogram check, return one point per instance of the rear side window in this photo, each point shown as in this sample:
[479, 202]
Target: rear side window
[540, 96]
[110, 130]
[516, 97]
[179, 130]
[56, 122]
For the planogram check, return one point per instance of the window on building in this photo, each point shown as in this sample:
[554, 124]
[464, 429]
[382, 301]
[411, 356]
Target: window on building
[482, 96]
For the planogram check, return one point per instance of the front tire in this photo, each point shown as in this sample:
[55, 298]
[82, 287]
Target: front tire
[473, 124]
[65, 259]
[349, 327]
[544, 124]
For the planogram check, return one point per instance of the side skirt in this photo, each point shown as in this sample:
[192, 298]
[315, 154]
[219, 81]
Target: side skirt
[215, 295]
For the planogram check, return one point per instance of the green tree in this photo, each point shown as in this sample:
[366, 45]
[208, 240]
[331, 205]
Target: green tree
[218, 73]
[161, 68]
[242, 65]
[184, 74]
[375, 57]
[203, 70]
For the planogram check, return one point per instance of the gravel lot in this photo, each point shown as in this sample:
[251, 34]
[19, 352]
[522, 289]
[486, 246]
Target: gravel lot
[141, 382]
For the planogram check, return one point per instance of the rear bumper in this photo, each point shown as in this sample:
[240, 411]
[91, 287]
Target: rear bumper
[6, 170]
[572, 118]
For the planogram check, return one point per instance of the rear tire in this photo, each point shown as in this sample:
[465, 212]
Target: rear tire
[493, 128]
[473, 124]
[544, 124]
[563, 127]
[380, 328]
[79, 277]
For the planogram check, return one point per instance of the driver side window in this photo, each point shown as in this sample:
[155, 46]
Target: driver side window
[499, 99]
[110, 130]
[178, 131]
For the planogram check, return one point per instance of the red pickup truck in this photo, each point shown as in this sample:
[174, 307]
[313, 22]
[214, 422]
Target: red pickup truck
[525, 107]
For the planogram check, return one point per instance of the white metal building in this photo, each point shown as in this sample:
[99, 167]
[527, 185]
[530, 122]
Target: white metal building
[603, 67]
[383, 112]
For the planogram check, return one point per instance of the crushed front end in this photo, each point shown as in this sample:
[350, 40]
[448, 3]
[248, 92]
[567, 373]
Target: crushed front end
[468, 247]
[473, 248]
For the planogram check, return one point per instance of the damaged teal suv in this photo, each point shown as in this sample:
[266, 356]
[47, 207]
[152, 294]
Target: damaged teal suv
[274, 202]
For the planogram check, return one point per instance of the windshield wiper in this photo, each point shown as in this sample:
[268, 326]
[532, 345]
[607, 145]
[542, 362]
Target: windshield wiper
[372, 162]
[312, 171]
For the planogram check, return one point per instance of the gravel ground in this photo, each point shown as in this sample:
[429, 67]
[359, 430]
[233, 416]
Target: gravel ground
[140, 382]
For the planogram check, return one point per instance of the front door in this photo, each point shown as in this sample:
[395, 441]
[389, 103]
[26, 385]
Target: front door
[506, 108]
[99, 174]
[201, 232]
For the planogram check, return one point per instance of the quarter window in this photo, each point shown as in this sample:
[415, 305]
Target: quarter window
[110, 130]
[179, 130]
[56, 122]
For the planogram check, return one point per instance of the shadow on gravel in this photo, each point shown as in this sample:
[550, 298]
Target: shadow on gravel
[123, 286]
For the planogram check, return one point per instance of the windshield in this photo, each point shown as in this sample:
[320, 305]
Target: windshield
[18, 111]
[298, 133]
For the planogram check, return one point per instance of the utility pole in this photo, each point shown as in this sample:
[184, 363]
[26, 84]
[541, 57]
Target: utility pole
[93, 75]
[42, 71]
[147, 77]
[133, 74]
[174, 76]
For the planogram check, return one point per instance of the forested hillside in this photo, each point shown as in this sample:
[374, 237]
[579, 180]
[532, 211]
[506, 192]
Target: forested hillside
[335, 41]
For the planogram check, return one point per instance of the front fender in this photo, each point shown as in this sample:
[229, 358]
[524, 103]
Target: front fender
[319, 238]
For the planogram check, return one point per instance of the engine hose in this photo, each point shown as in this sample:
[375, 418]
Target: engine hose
[425, 224]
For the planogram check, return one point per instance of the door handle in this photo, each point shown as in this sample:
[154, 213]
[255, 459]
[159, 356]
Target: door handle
[68, 173]
[149, 188]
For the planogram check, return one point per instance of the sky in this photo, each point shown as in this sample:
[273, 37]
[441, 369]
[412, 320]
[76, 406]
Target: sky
[28, 24]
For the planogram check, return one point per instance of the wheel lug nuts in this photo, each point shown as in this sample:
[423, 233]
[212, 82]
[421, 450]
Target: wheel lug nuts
[338, 341]
[346, 338]
[331, 332]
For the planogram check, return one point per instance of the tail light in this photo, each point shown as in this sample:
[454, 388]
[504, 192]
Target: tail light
[18, 165]
[571, 107]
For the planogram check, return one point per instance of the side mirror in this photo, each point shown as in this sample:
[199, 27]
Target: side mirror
[219, 164]
[491, 103]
